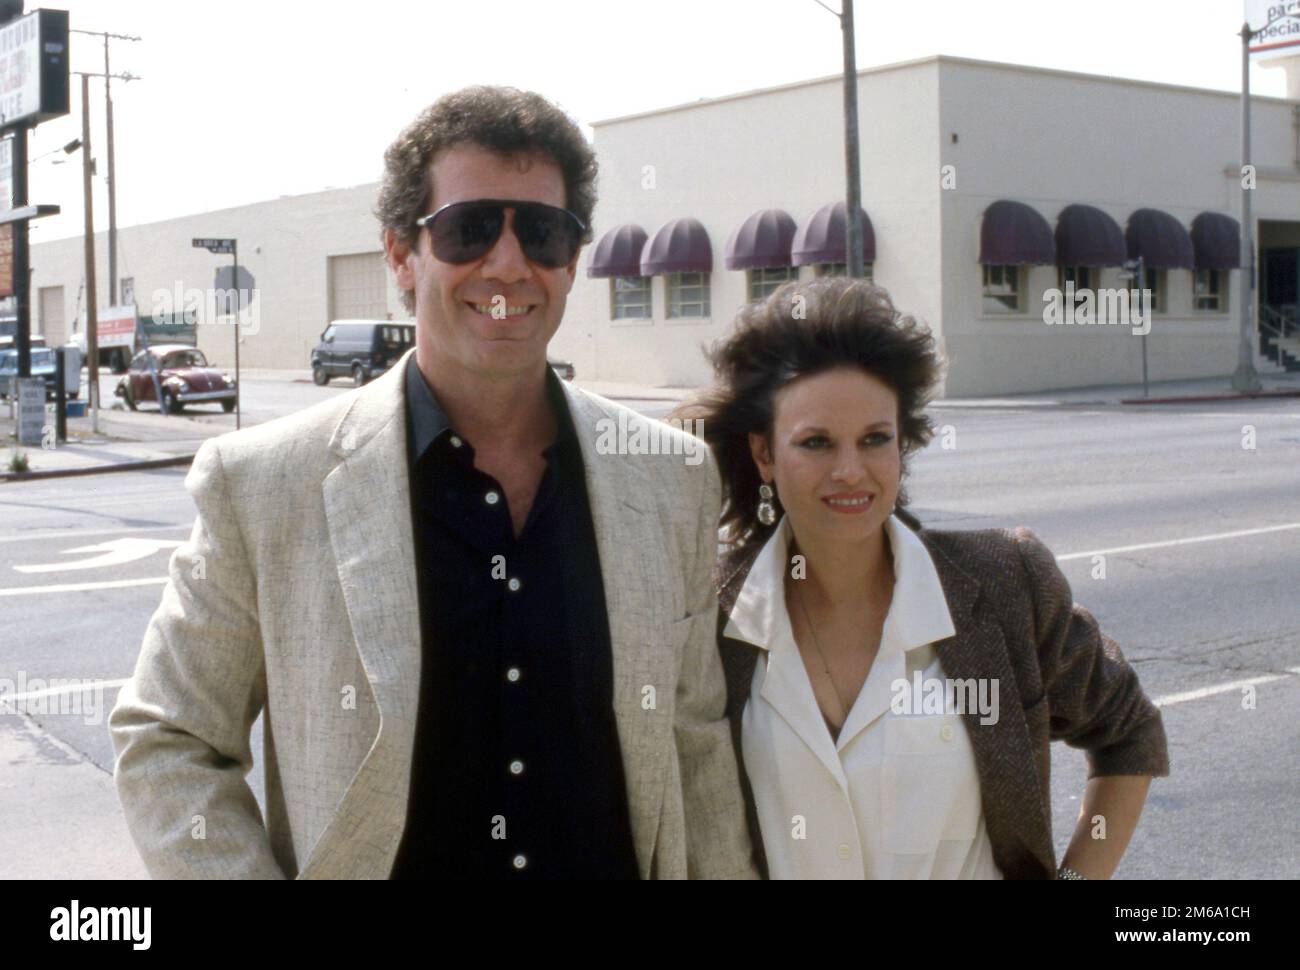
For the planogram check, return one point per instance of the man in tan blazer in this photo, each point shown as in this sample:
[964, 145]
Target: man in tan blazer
[326, 586]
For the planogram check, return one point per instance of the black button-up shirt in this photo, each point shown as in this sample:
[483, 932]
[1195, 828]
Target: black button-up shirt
[517, 771]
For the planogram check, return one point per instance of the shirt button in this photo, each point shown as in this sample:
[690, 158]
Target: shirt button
[455, 442]
[945, 732]
[513, 584]
[520, 861]
[845, 851]
[492, 498]
[516, 767]
[512, 674]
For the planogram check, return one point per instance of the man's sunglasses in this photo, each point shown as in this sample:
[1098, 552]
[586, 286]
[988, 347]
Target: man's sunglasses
[462, 232]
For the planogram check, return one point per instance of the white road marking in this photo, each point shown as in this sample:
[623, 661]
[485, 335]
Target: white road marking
[115, 552]
[1195, 695]
[82, 687]
[1179, 542]
[85, 533]
[80, 587]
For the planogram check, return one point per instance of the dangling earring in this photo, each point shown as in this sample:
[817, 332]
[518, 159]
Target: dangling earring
[766, 510]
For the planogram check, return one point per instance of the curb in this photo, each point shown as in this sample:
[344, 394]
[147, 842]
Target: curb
[125, 466]
[1196, 398]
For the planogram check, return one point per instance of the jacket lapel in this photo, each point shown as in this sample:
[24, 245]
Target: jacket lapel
[1009, 784]
[629, 545]
[367, 507]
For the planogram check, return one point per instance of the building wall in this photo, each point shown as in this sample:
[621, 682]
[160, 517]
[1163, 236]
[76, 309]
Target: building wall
[1051, 139]
[723, 160]
[286, 243]
[1041, 137]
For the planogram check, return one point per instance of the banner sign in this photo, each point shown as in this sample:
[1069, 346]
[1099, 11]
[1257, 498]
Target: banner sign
[1277, 23]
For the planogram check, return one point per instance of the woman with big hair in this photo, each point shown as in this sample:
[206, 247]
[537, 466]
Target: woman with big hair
[893, 689]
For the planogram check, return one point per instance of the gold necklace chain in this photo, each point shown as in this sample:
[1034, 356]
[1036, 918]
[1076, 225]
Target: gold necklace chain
[843, 709]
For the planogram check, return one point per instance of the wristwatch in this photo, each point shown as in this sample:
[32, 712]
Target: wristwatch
[1065, 872]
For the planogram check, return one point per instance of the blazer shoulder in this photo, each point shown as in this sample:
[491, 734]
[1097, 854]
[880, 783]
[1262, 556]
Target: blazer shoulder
[663, 449]
[297, 442]
[983, 553]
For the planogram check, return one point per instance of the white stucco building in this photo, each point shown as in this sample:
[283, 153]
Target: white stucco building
[985, 185]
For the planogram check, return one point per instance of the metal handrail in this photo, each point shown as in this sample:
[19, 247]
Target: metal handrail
[1277, 330]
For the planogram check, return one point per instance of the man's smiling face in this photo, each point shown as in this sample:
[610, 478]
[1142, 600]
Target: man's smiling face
[454, 303]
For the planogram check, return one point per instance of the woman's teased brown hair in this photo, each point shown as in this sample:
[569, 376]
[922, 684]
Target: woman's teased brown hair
[800, 330]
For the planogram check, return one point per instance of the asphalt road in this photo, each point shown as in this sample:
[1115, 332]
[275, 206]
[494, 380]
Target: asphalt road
[1200, 540]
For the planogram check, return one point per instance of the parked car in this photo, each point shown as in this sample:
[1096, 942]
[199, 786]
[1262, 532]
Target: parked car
[563, 368]
[184, 376]
[360, 349]
[43, 365]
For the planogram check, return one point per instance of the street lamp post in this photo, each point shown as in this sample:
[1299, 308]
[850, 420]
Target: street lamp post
[852, 169]
[1245, 378]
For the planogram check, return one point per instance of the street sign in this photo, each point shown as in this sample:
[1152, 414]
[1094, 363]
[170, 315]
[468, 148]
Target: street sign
[31, 410]
[241, 289]
[34, 68]
[231, 246]
[1276, 24]
[6, 173]
[215, 245]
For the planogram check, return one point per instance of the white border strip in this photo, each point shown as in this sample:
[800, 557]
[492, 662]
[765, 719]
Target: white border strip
[83, 687]
[1180, 542]
[1196, 695]
[80, 587]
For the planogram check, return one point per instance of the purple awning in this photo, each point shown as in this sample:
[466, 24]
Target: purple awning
[1086, 236]
[1159, 239]
[1014, 234]
[1216, 241]
[679, 246]
[618, 253]
[823, 237]
[761, 241]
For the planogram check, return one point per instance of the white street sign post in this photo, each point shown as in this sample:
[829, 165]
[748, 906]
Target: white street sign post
[31, 410]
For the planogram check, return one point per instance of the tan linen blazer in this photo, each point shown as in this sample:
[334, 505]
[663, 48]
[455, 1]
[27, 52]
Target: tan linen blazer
[295, 596]
[1059, 679]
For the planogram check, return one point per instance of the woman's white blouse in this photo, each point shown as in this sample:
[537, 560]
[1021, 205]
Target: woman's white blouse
[897, 796]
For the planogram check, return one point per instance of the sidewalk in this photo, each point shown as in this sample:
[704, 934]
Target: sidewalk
[1117, 395]
[614, 390]
[128, 437]
[45, 779]
[124, 438]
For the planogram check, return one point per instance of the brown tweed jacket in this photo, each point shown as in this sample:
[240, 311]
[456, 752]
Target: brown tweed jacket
[1059, 678]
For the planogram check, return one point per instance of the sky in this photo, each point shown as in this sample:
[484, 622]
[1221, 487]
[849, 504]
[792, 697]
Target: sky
[243, 101]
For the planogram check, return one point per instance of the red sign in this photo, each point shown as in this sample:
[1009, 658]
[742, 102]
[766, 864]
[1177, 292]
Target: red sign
[116, 324]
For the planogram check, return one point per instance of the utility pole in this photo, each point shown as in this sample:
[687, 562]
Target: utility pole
[1245, 378]
[108, 75]
[92, 303]
[92, 299]
[852, 168]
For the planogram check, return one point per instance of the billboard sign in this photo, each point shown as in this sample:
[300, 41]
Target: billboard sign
[115, 327]
[34, 68]
[1276, 23]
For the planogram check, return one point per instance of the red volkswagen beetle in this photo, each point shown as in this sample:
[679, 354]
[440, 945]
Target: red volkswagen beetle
[183, 376]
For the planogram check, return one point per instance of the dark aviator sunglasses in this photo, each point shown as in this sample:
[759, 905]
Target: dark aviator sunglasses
[462, 232]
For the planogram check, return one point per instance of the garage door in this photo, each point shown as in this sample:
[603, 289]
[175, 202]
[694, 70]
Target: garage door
[52, 324]
[358, 287]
